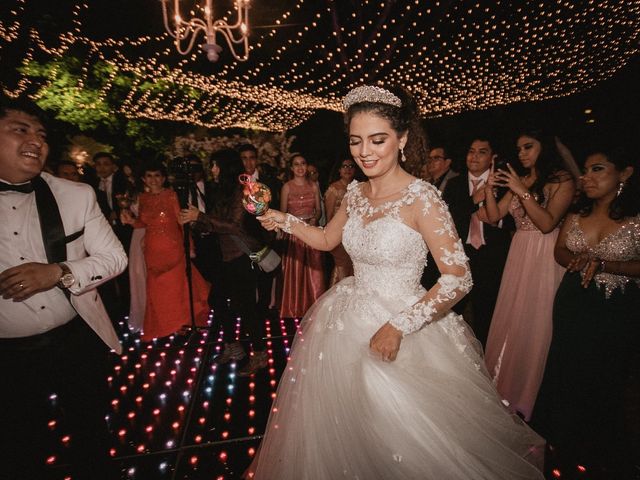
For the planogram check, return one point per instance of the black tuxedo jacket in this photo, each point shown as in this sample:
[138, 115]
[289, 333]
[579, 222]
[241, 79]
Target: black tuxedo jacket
[461, 206]
[119, 185]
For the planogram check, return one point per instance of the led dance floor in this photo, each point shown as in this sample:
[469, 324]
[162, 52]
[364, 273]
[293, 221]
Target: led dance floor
[174, 414]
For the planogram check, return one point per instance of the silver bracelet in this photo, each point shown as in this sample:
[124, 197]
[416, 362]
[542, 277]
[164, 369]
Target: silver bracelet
[525, 196]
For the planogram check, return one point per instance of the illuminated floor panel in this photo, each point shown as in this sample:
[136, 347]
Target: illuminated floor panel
[175, 414]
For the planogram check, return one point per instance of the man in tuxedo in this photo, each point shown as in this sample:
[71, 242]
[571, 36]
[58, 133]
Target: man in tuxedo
[249, 157]
[111, 184]
[439, 167]
[56, 247]
[486, 245]
[207, 248]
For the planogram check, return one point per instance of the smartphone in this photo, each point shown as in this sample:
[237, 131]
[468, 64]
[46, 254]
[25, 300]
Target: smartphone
[500, 164]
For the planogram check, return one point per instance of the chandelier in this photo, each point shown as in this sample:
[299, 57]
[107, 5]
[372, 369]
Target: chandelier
[185, 32]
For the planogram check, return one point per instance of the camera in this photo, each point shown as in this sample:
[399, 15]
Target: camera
[182, 169]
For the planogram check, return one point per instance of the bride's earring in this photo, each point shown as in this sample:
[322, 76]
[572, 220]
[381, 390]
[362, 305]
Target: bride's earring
[620, 188]
[402, 156]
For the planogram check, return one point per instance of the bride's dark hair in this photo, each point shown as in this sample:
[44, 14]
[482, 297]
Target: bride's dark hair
[403, 119]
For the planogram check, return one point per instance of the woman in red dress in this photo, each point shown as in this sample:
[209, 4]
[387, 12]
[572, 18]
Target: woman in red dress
[167, 309]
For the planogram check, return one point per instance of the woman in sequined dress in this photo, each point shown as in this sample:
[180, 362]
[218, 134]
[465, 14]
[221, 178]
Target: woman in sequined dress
[520, 331]
[302, 267]
[596, 324]
[167, 307]
[342, 266]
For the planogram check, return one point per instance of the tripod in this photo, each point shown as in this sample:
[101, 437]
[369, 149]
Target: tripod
[185, 188]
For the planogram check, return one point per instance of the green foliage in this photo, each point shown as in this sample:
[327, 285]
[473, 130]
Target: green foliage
[89, 99]
[146, 136]
[66, 94]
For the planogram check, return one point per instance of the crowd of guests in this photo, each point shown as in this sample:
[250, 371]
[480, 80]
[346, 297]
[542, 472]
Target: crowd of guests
[556, 266]
[555, 260]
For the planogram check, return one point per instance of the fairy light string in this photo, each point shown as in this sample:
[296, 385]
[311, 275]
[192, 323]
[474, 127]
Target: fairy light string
[454, 56]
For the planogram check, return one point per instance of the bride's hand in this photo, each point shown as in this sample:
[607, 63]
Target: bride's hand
[386, 342]
[272, 220]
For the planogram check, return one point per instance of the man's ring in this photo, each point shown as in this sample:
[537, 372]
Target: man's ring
[21, 285]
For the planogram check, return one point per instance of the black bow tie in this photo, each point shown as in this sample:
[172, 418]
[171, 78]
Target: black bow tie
[22, 188]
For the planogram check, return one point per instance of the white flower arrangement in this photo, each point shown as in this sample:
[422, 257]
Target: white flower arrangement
[273, 148]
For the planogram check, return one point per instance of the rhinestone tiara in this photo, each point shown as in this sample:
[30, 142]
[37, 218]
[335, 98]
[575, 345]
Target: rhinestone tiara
[370, 93]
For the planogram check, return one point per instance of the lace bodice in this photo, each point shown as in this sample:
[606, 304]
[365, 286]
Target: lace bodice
[389, 256]
[619, 246]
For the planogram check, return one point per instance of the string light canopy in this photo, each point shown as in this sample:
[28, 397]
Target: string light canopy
[188, 30]
[454, 56]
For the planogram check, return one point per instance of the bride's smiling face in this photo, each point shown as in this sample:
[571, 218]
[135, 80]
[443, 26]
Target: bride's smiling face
[374, 144]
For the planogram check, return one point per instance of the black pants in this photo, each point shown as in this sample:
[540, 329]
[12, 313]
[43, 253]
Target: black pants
[487, 265]
[72, 362]
[240, 285]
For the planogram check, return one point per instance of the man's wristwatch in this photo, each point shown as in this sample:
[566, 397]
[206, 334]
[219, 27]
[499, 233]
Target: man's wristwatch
[67, 279]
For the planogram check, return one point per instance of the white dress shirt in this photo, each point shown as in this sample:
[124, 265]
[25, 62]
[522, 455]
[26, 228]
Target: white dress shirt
[21, 242]
[200, 194]
[106, 185]
[94, 256]
[483, 179]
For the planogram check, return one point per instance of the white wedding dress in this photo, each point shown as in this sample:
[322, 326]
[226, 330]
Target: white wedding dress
[433, 413]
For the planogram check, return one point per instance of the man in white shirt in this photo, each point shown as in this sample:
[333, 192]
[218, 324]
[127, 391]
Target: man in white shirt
[55, 248]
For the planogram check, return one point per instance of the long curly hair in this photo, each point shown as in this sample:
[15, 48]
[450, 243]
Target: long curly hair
[403, 119]
[625, 205]
[549, 167]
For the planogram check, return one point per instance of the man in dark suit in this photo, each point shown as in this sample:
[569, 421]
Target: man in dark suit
[249, 157]
[200, 195]
[439, 168]
[486, 245]
[439, 165]
[112, 183]
[55, 335]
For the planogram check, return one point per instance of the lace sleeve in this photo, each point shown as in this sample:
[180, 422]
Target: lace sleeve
[434, 223]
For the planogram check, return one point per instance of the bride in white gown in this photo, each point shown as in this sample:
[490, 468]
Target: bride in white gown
[384, 381]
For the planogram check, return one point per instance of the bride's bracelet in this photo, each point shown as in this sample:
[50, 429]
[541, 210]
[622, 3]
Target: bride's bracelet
[413, 318]
[289, 222]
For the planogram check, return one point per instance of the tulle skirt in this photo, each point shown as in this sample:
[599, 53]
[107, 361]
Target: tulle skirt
[341, 412]
[520, 332]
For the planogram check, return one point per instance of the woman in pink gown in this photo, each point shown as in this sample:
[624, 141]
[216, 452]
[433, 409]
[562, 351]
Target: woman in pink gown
[302, 267]
[167, 308]
[520, 332]
[342, 265]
